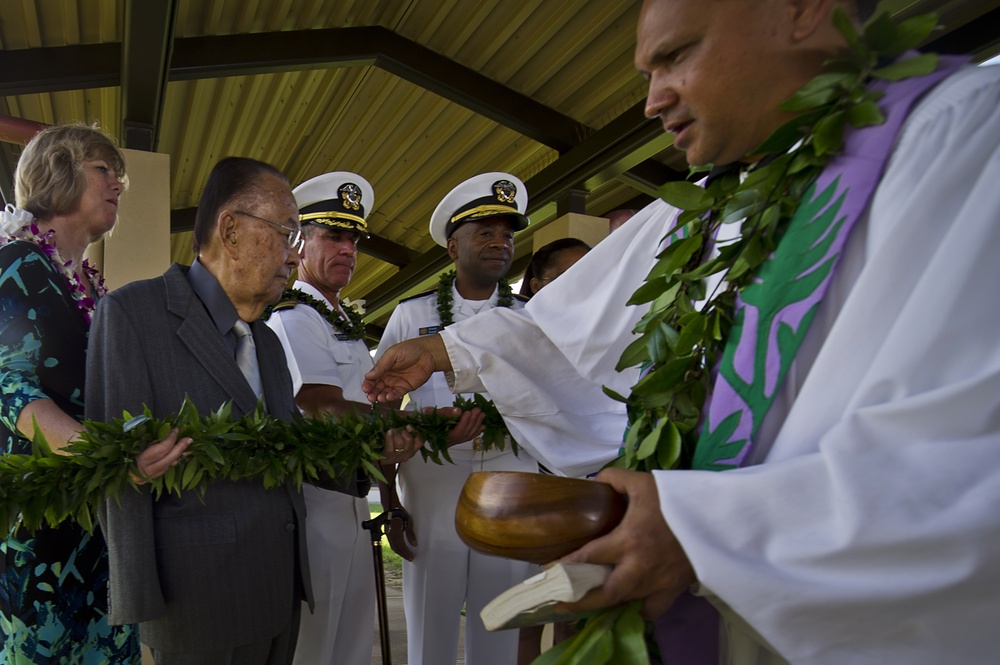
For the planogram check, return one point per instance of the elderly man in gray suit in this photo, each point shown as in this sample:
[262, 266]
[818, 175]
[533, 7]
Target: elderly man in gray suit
[220, 579]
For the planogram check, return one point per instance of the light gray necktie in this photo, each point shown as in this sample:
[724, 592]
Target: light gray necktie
[246, 355]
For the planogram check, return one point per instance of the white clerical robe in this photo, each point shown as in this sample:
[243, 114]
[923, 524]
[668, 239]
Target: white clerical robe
[869, 532]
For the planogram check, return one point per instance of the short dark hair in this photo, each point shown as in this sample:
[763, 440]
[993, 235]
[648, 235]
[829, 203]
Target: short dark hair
[231, 178]
[542, 259]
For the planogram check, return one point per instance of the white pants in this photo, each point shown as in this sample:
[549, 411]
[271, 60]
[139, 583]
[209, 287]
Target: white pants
[341, 629]
[445, 573]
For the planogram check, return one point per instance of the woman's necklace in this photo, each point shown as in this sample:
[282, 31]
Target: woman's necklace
[446, 297]
[86, 300]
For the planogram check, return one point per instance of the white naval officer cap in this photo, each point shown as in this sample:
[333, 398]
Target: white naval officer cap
[485, 195]
[339, 199]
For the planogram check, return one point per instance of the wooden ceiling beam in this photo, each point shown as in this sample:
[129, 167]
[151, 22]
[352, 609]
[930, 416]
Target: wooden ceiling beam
[101, 65]
[145, 59]
[58, 68]
[296, 50]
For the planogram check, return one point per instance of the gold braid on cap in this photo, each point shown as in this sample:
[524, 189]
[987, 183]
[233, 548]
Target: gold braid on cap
[336, 219]
[483, 211]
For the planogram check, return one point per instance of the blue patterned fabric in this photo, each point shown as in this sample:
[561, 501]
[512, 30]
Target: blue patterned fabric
[53, 584]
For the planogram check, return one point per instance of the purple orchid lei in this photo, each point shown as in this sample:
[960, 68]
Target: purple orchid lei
[46, 242]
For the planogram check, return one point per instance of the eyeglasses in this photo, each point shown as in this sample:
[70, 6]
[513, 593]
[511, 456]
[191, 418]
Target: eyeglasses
[293, 237]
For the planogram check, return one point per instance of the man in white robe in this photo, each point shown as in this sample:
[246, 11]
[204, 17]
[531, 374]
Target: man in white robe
[866, 529]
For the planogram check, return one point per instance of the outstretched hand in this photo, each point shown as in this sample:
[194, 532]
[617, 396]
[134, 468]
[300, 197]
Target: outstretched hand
[405, 367]
[648, 560]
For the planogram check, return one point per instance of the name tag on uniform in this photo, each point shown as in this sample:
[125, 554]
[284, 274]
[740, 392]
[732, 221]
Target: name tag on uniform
[431, 330]
[342, 337]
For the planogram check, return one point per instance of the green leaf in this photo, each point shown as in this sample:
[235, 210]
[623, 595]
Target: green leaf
[692, 330]
[632, 440]
[684, 195]
[845, 25]
[742, 205]
[559, 653]
[829, 133]
[669, 449]
[651, 440]
[920, 65]
[865, 114]
[912, 32]
[785, 136]
[618, 397]
[882, 35]
[629, 637]
[647, 292]
[676, 256]
[820, 90]
[662, 379]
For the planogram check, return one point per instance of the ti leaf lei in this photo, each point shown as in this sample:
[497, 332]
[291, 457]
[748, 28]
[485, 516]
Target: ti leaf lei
[353, 327]
[446, 299]
[680, 343]
[46, 488]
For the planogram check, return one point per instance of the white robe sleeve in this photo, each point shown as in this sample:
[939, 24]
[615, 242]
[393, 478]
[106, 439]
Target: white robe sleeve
[871, 532]
[544, 365]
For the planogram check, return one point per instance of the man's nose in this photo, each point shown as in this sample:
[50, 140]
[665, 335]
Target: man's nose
[660, 97]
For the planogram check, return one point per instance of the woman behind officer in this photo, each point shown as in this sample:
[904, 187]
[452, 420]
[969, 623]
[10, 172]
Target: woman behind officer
[53, 583]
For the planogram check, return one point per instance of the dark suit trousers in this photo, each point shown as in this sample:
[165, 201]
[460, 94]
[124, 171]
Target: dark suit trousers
[278, 650]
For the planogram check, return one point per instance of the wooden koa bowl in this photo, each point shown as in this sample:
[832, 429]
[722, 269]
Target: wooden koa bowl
[532, 516]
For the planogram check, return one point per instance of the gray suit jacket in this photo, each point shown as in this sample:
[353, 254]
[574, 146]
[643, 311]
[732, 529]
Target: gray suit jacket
[197, 575]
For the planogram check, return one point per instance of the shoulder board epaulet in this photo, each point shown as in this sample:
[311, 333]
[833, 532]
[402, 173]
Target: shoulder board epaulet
[522, 298]
[285, 304]
[420, 295]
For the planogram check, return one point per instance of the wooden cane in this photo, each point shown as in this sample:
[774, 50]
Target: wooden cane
[375, 529]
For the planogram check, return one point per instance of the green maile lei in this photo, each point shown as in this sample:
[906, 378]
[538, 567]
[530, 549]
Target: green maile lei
[446, 298]
[44, 488]
[679, 343]
[353, 327]
[495, 436]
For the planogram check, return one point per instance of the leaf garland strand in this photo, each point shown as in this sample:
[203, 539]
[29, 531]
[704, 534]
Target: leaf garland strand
[47, 488]
[353, 327]
[446, 299]
[680, 343]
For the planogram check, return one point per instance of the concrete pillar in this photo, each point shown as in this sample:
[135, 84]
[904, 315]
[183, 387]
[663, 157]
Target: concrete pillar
[139, 247]
[589, 229]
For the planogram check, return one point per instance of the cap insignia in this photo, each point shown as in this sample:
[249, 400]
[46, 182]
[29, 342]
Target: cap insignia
[505, 191]
[350, 194]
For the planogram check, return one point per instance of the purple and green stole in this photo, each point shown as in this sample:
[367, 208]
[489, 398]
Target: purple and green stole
[772, 318]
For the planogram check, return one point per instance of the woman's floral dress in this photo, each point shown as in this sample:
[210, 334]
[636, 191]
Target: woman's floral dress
[53, 584]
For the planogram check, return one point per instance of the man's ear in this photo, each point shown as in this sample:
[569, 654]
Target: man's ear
[809, 16]
[452, 248]
[227, 229]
